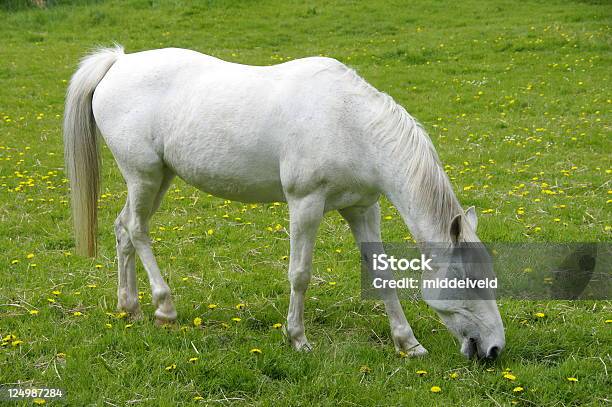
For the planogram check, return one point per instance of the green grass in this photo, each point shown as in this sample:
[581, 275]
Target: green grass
[516, 97]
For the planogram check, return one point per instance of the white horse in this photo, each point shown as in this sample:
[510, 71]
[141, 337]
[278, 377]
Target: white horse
[309, 132]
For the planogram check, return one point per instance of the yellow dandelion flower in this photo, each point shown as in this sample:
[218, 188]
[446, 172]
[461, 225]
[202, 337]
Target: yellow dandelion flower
[34, 312]
[365, 369]
[19, 342]
[421, 372]
[210, 232]
[121, 315]
[171, 367]
[540, 314]
[518, 389]
[212, 306]
[193, 360]
[509, 376]
[608, 321]
[128, 326]
[198, 398]
[240, 306]
[435, 389]
[14, 261]
[98, 266]
[572, 379]
[197, 321]
[278, 325]
[77, 313]
[402, 354]
[454, 375]
[256, 351]
[236, 319]
[39, 401]
[56, 292]
[30, 256]
[108, 326]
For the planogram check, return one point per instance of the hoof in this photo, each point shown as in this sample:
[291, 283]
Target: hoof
[414, 352]
[301, 345]
[133, 311]
[298, 341]
[165, 318]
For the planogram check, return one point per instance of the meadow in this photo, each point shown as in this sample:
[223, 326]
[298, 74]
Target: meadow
[516, 98]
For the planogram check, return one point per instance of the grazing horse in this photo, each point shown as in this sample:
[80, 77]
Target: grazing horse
[309, 132]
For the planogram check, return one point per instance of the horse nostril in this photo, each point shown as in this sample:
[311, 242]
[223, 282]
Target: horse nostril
[493, 352]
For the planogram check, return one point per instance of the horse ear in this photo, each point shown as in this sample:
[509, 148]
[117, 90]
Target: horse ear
[455, 229]
[470, 216]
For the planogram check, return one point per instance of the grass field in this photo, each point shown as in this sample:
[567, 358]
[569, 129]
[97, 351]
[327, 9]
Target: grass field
[515, 96]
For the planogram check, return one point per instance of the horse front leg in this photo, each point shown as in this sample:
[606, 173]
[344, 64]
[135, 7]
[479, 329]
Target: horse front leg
[305, 215]
[365, 225]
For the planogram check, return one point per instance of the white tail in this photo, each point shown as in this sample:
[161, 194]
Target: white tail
[81, 147]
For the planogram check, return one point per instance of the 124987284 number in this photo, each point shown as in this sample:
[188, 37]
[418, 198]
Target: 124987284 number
[17, 392]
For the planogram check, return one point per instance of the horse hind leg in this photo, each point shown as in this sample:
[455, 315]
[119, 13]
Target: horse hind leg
[127, 288]
[145, 193]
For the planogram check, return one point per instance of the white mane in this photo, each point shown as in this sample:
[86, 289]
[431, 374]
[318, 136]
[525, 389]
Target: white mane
[423, 174]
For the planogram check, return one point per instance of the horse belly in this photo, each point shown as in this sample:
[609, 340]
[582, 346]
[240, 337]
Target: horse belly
[227, 170]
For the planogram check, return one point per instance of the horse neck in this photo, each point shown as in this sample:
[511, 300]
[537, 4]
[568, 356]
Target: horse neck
[424, 225]
[414, 180]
